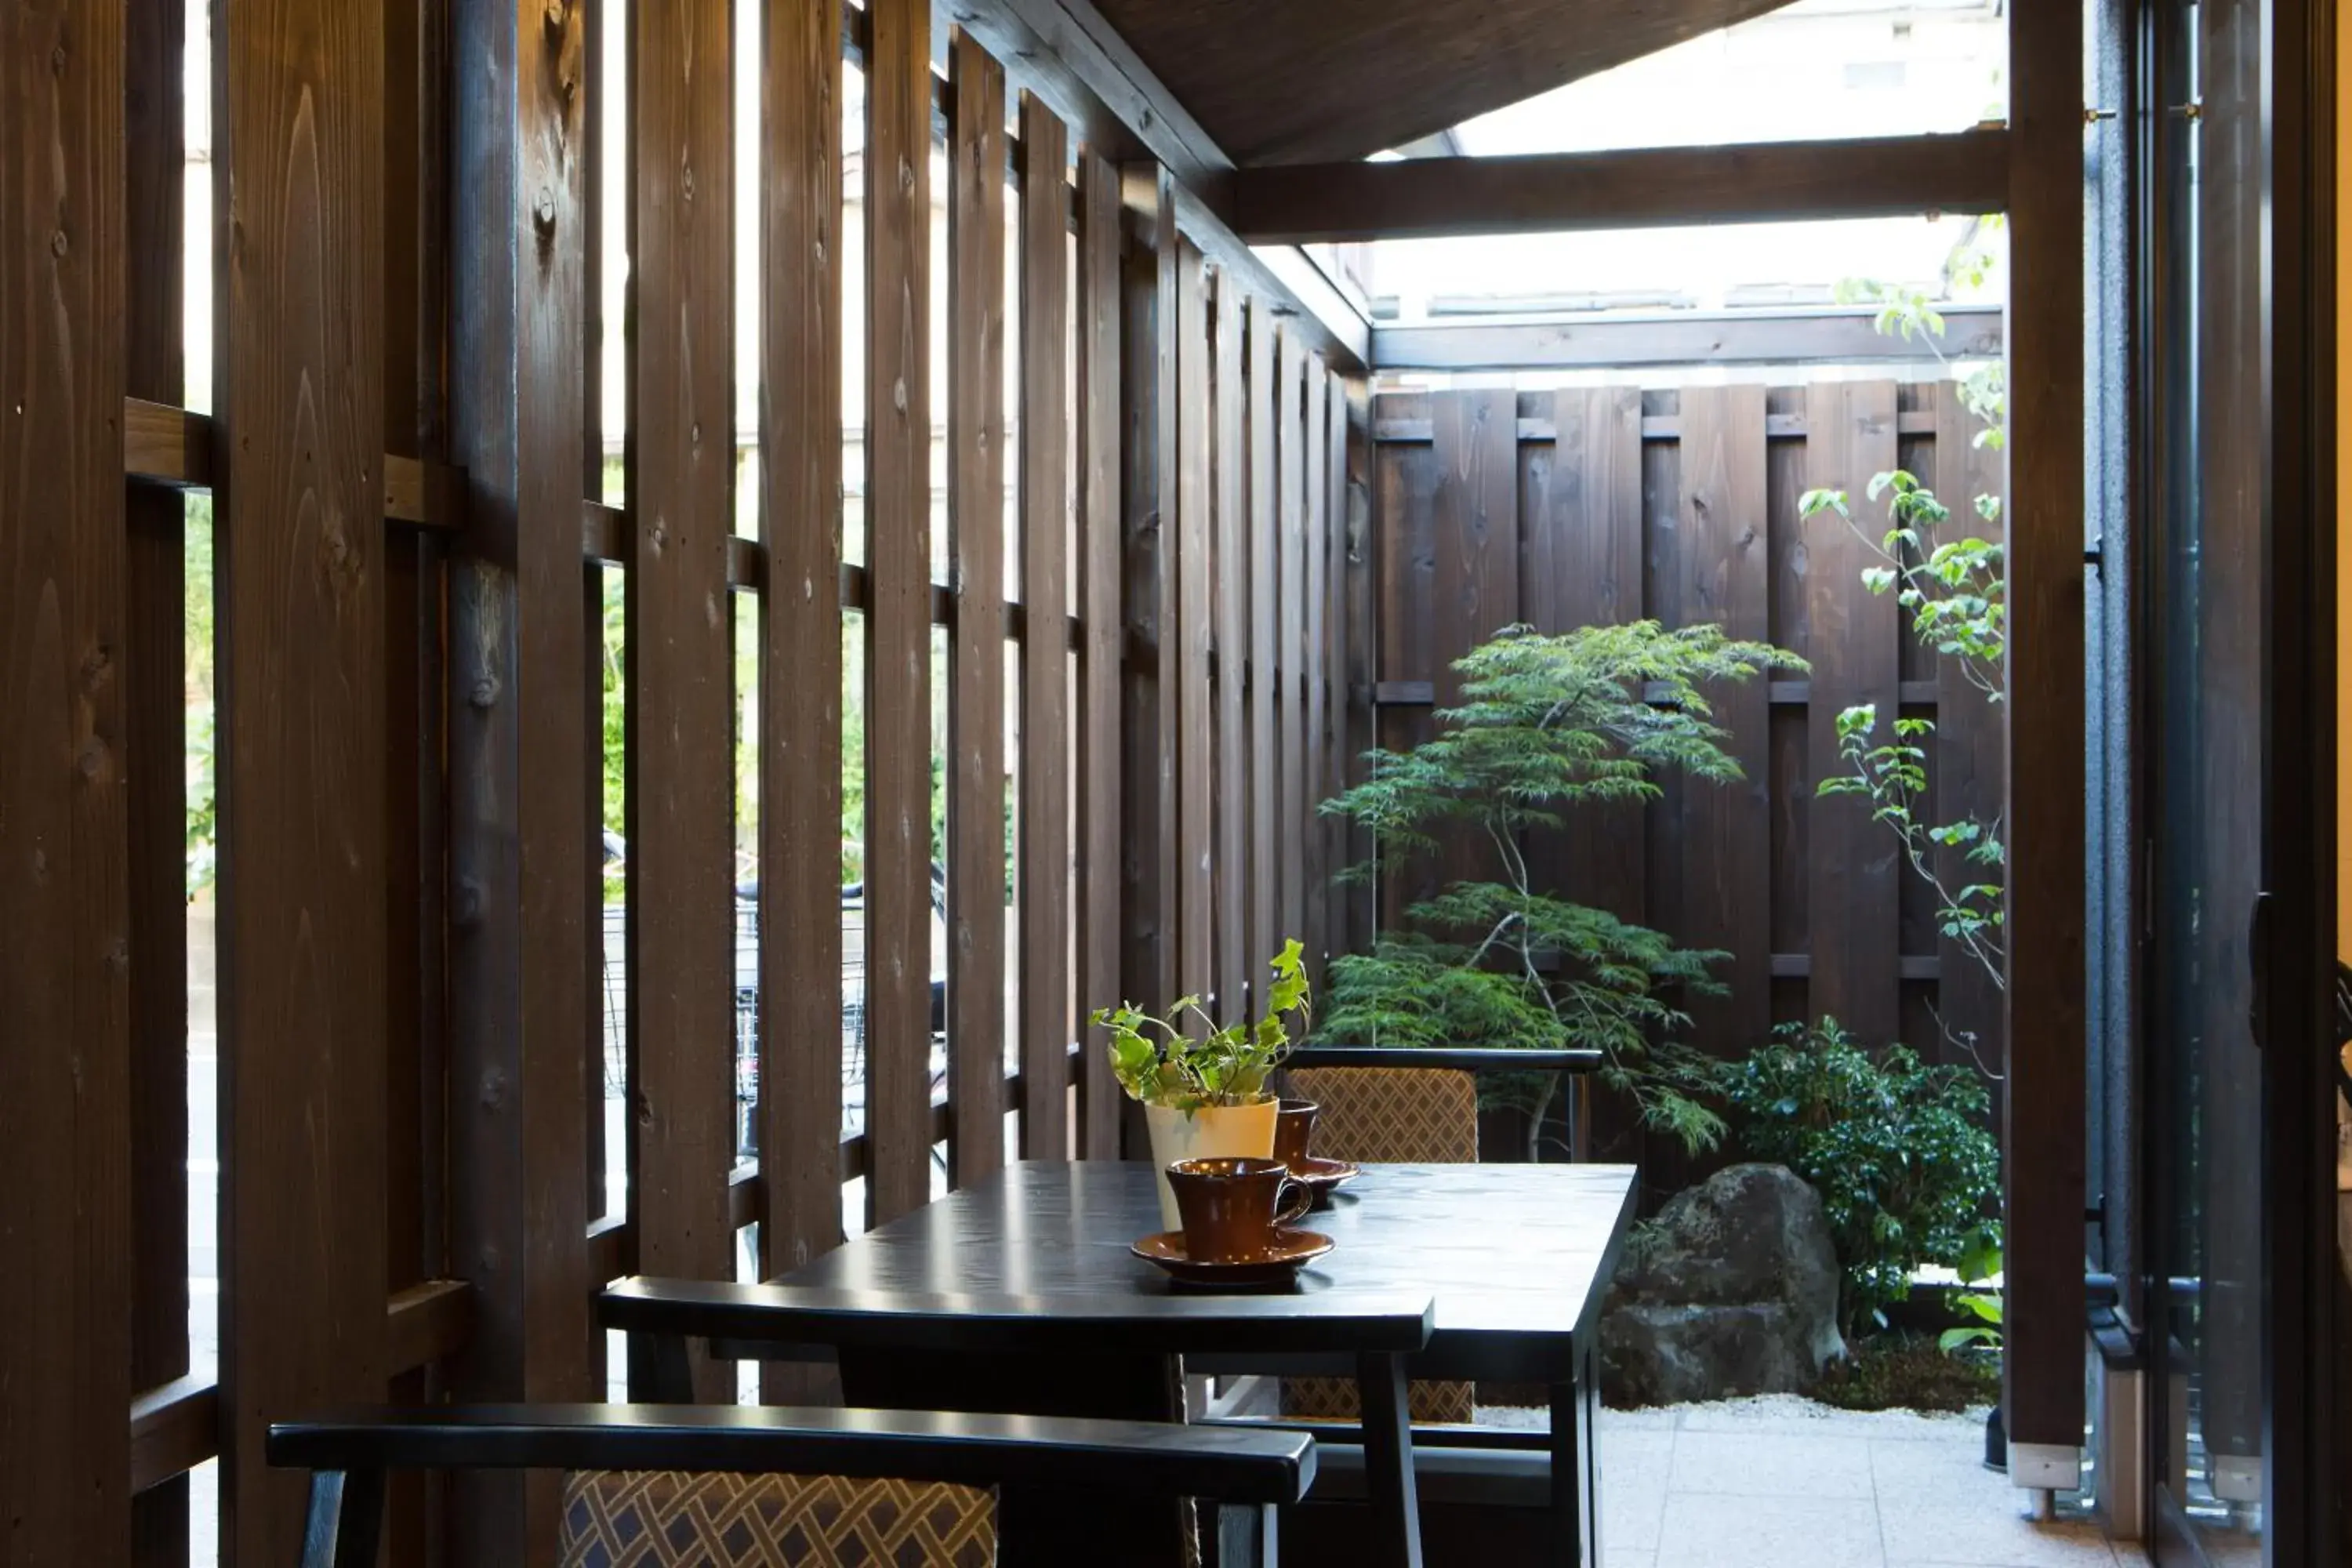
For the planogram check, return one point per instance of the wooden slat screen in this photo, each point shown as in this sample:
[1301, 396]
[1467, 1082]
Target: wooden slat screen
[1610, 504]
[417, 519]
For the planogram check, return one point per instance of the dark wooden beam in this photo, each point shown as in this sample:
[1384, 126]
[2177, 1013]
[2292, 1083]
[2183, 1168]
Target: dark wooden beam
[1431, 199]
[1832, 336]
[2042, 1091]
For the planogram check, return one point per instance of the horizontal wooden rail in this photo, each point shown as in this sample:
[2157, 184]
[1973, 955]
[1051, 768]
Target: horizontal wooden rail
[1547, 193]
[1628, 342]
[1913, 966]
[1784, 693]
[1654, 427]
[176, 1427]
[173, 446]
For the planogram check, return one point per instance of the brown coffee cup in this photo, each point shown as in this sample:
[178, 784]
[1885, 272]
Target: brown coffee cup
[1294, 1129]
[1231, 1206]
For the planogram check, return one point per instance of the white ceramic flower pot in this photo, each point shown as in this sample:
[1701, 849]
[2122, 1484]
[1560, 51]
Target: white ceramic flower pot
[1214, 1132]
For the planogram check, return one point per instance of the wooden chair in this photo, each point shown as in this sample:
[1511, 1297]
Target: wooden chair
[1400, 1107]
[1059, 1357]
[651, 1486]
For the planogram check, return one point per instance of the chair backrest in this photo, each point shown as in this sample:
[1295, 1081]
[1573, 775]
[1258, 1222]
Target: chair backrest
[1392, 1115]
[712, 1519]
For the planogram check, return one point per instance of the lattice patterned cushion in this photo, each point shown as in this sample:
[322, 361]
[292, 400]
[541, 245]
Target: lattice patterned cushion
[1388, 1116]
[1334, 1399]
[668, 1518]
[1392, 1115]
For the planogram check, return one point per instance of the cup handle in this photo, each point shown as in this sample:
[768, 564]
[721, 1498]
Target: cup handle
[1286, 1212]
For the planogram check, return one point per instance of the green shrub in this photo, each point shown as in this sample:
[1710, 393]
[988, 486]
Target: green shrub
[1897, 1148]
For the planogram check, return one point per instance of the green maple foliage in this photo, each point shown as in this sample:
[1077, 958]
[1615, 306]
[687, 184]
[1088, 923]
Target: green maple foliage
[1546, 724]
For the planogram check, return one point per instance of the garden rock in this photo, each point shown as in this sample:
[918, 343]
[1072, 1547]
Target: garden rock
[1732, 1289]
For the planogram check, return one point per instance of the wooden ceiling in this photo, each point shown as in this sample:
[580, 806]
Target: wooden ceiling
[1291, 82]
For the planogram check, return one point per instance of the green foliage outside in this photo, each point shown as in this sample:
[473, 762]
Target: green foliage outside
[1160, 1061]
[197, 619]
[1951, 585]
[1897, 1148]
[1546, 724]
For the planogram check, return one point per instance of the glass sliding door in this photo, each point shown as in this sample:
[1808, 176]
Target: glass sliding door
[2238, 891]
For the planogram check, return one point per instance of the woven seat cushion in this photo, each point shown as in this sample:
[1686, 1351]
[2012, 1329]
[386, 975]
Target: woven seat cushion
[1387, 1116]
[669, 1519]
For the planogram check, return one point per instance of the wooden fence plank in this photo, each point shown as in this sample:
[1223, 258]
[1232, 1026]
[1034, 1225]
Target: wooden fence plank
[1262, 538]
[975, 412]
[1314, 455]
[65, 786]
[1854, 859]
[1148, 397]
[1101, 831]
[898, 659]
[1233, 590]
[299, 136]
[1970, 730]
[155, 742]
[800, 647]
[1476, 551]
[1195, 728]
[1723, 832]
[1288, 671]
[680, 654]
[1045, 760]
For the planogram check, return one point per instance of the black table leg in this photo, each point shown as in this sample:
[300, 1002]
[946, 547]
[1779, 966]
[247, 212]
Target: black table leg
[1388, 1456]
[659, 1370]
[1575, 1470]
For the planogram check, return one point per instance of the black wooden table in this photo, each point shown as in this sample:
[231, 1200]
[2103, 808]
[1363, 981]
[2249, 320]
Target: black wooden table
[1516, 1259]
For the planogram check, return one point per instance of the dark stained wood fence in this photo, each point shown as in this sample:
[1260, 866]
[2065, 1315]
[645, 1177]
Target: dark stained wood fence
[405, 458]
[1612, 504]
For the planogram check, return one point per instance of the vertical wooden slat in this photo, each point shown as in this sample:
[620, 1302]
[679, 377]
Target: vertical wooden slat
[1852, 896]
[1332, 677]
[1045, 871]
[800, 644]
[975, 327]
[1263, 543]
[1580, 558]
[1476, 551]
[1360, 899]
[1101, 543]
[154, 736]
[681, 772]
[899, 552]
[1315, 453]
[524, 947]
[1966, 755]
[1196, 771]
[2043, 1087]
[1232, 590]
[297, 129]
[1288, 673]
[65, 1217]
[1722, 833]
[1148, 459]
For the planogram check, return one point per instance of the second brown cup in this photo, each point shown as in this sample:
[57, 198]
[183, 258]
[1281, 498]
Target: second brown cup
[1231, 1206]
[1294, 1129]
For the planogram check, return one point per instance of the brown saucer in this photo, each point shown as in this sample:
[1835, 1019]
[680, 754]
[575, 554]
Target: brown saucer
[1290, 1251]
[1323, 1177]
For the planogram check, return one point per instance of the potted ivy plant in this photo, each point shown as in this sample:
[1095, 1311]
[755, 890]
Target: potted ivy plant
[1202, 1087]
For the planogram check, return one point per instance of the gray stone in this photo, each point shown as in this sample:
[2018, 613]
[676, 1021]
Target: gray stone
[1731, 1291]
